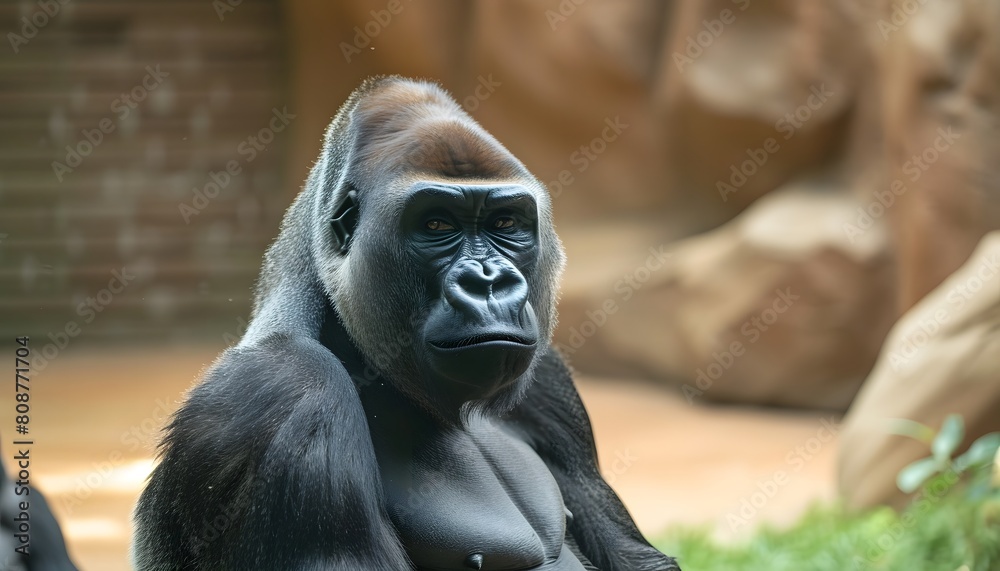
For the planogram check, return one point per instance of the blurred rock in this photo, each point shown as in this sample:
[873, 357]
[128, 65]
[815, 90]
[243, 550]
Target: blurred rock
[780, 306]
[736, 74]
[939, 63]
[942, 357]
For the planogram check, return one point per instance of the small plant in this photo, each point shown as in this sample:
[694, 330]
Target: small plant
[976, 465]
[953, 525]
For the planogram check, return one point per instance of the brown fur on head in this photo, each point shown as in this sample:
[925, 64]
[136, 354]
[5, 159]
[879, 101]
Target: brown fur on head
[417, 127]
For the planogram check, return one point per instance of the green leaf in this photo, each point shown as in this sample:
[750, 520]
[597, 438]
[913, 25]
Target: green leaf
[981, 453]
[947, 441]
[913, 429]
[913, 476]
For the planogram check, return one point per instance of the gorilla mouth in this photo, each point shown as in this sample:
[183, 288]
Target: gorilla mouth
[475, 366]
[484, 338]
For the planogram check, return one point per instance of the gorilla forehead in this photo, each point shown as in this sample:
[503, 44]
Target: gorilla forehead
[406, 126]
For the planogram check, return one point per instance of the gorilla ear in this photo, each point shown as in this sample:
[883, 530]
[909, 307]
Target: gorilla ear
[345, 219]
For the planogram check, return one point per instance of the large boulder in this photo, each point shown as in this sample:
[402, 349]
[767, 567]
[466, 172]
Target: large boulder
[780, 306]
[775, 82]
[942, 357]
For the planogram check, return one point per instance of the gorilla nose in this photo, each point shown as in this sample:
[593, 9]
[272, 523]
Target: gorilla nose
[472, 284]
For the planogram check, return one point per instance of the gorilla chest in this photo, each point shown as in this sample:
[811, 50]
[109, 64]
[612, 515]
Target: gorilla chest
[461, 496]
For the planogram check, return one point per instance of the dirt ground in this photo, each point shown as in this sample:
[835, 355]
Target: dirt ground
[96, 415]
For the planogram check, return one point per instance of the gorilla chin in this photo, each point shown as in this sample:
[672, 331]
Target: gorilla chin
[479, 363]
[480, 367]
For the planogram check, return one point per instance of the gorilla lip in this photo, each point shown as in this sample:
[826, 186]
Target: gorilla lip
[479, 365]
[482, 339]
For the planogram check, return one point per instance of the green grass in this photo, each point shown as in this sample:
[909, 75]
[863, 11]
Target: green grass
[934, 533]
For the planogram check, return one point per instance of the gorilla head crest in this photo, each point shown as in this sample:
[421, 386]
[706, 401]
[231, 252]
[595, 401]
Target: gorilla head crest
[434, 245]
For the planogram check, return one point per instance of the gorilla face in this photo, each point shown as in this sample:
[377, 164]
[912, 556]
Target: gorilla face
[448, 285]
[474, 243]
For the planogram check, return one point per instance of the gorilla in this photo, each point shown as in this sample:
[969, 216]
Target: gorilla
[395, 403]
[46, 549]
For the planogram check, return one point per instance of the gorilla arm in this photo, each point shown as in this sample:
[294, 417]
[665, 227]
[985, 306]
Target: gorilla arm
[268, 465]
[552, 419]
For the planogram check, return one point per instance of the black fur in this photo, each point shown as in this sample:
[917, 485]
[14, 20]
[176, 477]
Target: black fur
[46, 549]
[302, 446]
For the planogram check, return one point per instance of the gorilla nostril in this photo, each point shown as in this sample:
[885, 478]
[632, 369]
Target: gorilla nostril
[509, 283]
[476, 281]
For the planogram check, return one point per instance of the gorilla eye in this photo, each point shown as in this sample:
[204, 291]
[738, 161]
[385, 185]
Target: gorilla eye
[438, 225]
[503, 222]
